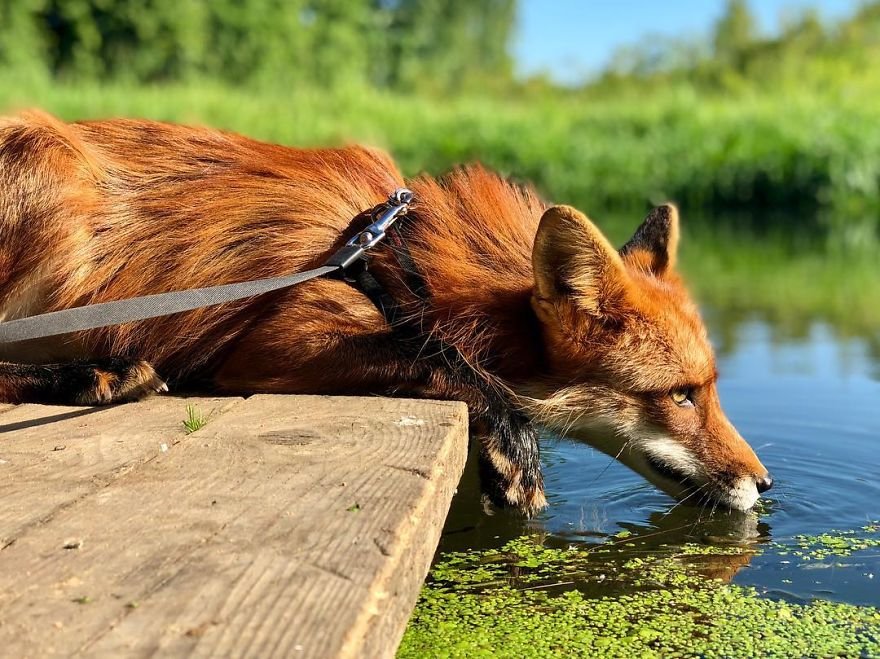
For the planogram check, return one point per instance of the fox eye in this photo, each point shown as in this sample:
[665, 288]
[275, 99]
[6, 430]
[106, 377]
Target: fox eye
[682, 397]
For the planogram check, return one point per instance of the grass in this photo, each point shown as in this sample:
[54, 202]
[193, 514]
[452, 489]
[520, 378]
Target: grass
[783, 151]
[195, 420]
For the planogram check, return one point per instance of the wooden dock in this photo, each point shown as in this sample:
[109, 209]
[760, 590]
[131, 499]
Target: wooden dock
[287, 526]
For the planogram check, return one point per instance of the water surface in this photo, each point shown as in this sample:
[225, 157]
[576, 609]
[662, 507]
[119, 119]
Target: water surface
[807, 402]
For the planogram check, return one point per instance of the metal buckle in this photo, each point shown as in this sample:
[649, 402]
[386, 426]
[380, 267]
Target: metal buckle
[383, 217]
[396, 206]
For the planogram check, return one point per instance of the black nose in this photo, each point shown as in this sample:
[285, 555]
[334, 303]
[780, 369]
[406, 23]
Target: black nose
[764, 483]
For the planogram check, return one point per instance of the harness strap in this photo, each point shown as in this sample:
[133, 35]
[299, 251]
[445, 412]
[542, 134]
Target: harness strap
[414, 279]
[78, 319]
[367, 283]
[103, 314]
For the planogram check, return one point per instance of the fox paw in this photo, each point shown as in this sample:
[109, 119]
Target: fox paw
[116, 380]
[509, 486]
[528, 498]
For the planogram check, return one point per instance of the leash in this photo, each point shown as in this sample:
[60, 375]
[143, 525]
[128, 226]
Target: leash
[105, 314]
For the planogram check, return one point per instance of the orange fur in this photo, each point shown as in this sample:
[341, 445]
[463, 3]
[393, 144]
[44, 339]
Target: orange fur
[574, 331]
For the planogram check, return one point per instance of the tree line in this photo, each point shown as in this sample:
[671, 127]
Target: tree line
[424, 44]
[735, 54]
[435, 46]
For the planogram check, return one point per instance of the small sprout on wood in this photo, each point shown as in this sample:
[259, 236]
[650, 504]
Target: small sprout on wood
[85, 599]
[195, 420]
[353, 509]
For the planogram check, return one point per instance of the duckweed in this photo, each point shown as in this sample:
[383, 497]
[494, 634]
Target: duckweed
[615, 600]
[834, 543]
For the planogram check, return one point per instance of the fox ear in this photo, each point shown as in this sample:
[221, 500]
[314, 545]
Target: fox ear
[574, 264]
[654, 246]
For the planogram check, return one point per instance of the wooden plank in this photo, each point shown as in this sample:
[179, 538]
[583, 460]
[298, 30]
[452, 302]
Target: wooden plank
[51, 456]
[292, 526]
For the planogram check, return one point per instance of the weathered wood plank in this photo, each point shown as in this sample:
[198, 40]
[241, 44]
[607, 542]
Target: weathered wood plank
[53, 455]
[291, 526]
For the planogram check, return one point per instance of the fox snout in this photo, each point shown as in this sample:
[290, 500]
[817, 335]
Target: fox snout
[764, 483]
[732, 456]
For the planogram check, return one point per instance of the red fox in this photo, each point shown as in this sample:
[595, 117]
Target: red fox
[526, 312]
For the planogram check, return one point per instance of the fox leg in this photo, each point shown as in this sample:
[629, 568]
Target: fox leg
[81, 382]
[510, 465]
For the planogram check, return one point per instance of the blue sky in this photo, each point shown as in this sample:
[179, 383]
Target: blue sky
[571, 38]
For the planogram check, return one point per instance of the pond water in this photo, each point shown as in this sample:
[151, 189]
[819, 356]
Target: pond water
[808, 403]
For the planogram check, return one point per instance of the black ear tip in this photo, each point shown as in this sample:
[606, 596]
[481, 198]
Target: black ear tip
[657, 235]
[664, 214]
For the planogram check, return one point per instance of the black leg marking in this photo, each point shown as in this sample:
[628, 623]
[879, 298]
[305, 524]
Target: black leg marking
[509, 451]
[96, 382]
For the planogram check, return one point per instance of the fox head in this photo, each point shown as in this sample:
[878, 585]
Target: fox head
[629, 364]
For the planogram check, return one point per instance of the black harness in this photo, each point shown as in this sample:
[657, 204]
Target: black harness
[365, 281]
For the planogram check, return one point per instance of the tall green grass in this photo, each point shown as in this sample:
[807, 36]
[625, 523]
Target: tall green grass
[819, 155]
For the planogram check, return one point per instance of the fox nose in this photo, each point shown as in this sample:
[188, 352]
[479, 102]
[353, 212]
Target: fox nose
[764, 483]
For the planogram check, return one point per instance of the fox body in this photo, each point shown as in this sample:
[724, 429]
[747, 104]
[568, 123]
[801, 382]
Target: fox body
[527, 313]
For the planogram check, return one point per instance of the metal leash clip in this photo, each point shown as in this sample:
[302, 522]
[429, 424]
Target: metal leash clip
[383, 217]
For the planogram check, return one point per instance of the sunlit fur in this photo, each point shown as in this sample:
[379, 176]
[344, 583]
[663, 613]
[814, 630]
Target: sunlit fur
[583, 337]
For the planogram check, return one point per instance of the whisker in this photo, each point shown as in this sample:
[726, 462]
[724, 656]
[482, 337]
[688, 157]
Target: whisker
[610, 462]
[681, 501]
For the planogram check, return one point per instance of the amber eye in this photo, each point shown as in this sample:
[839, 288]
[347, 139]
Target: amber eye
[682, 397]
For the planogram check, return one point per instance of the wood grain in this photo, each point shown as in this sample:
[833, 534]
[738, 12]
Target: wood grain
[288, 526]
[52, 455]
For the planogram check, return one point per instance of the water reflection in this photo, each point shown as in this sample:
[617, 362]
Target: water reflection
[734, 331]
[634, 508]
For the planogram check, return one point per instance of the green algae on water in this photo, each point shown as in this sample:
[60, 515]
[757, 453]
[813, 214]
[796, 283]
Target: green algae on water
[613, 600]
[834, 544]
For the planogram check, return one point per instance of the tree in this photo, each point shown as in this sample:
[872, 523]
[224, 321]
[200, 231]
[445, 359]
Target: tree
[416, 44]
[735, 32]
[450, 44]
[23, 46]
